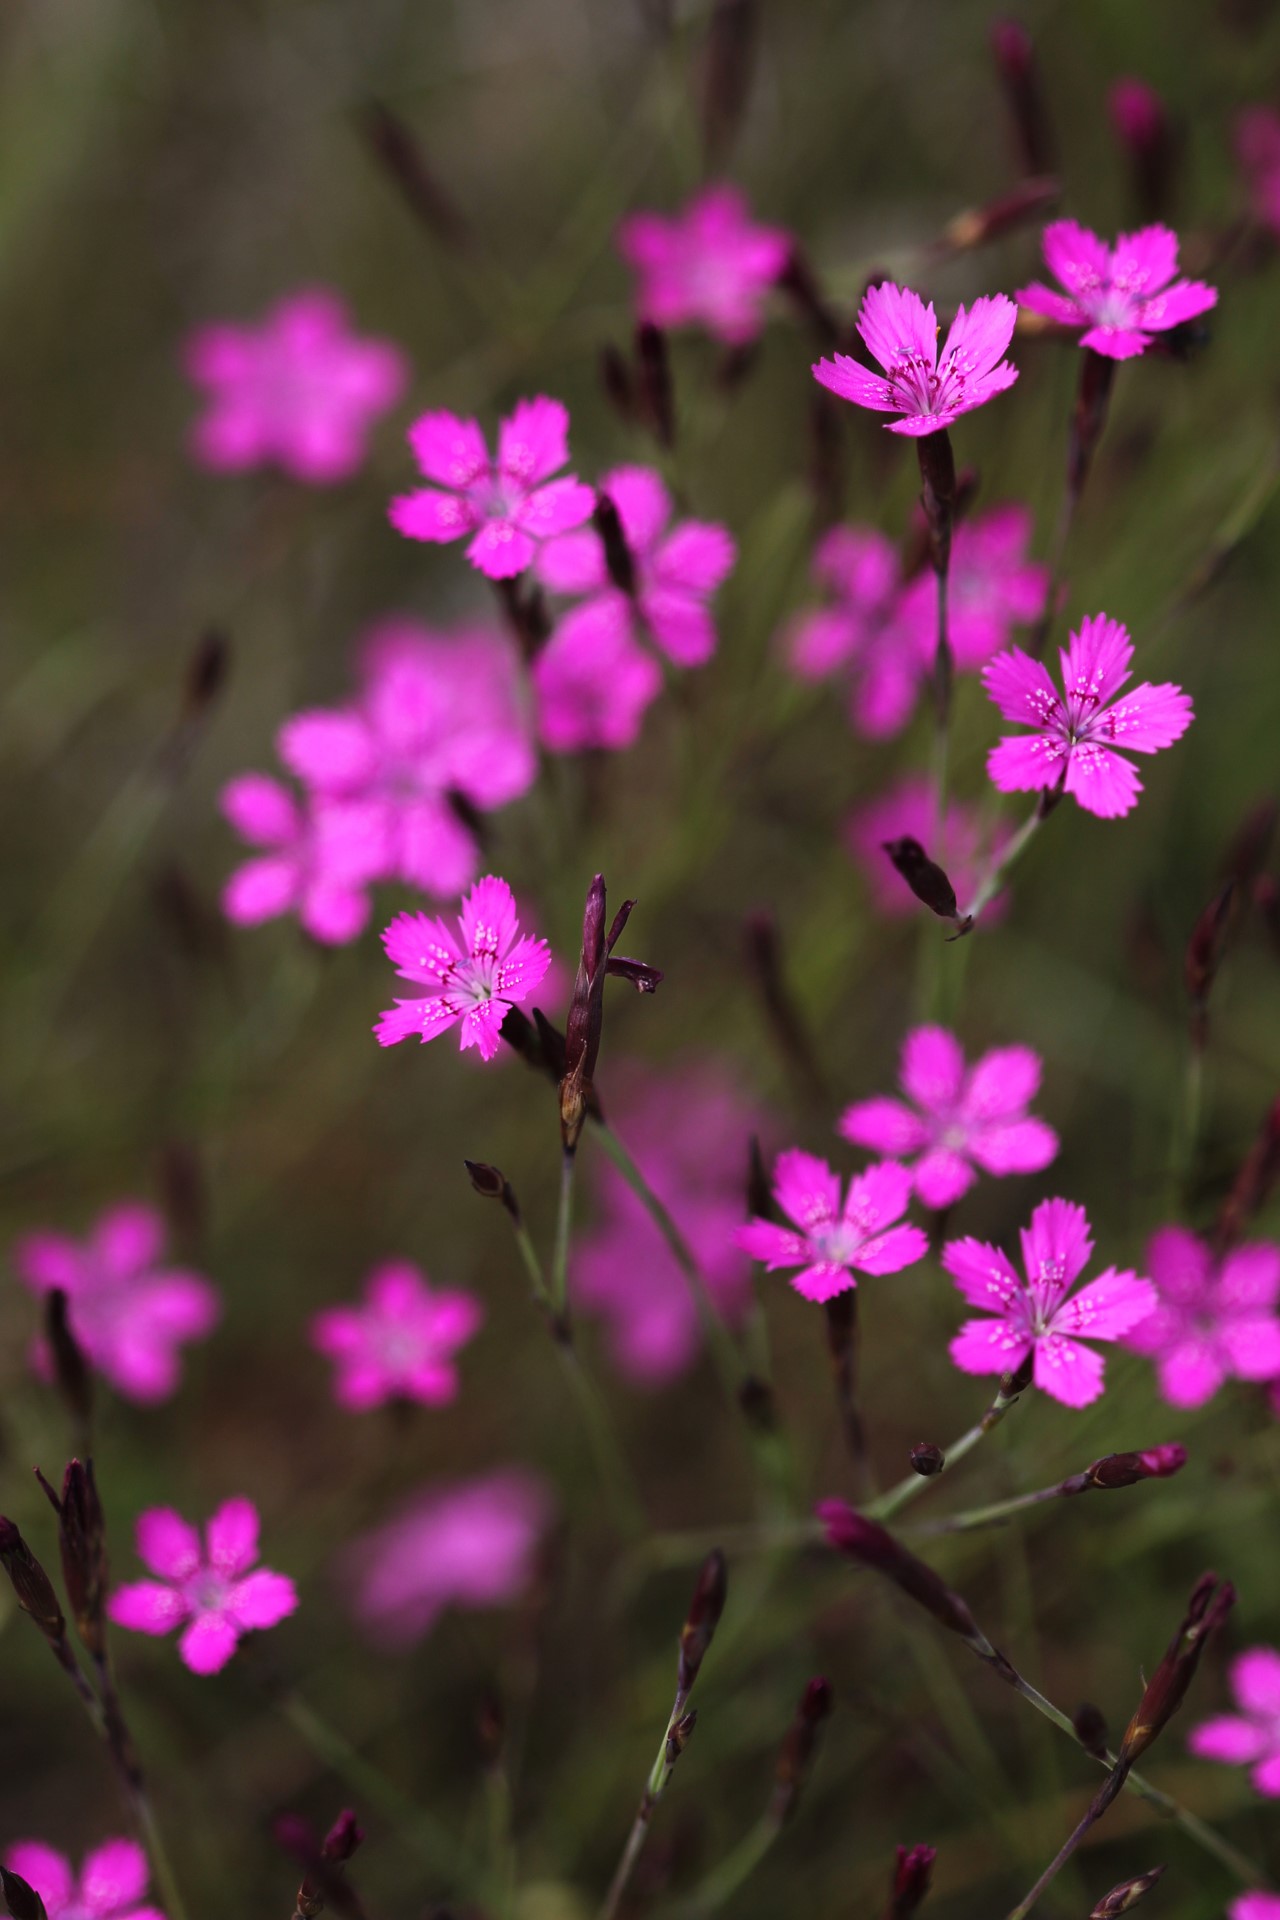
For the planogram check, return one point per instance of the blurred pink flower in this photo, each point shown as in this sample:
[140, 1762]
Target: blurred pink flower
[399, 1342]
[928, 389]
[1080, 730]
[1250, 1738]
[1036, 1314]
[508, 505]
[208, 1591]
[474, 982]
[908, 810]
[593, 683]
[1254, 1906]
[1257, 138]
[1121, 295]
[318, 860]
[128, 1311]
[298, 390]
[468, 1544]
[1137, 112]
[113, 1880]
[960, 1120]
[688, 1128]
[831, 1240]
[992, 587]
[708, 266]
[1216, 1315]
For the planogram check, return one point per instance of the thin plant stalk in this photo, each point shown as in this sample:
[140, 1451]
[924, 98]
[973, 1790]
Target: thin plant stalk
[1011, 1388]
[998, 867]
[564, 1225]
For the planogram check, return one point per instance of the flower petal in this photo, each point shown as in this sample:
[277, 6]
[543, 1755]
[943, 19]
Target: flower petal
[1147, 719]
[328, 750]
[421, 948]
[1001, 1084]
[1027, 762]
[534, 440]
[892, 1251]
[985, 1278]
[1070, 1372]
[1107, 1308]
[113, 1877]
[697, 557]
[1189, 1372]
[261, 810]
[1013, 1146]
[1250, 1277]
[1022, 689]
[1056, 1247]
[772, 1245]
[48, 1872]
[500, 550]
[886, 1126]
[263, 1599]
[895, 322]
[989, 1346]
[1255, 1681]
[978, 337]
[806, 1189]
[428, 514]
[1104, 783]
[1228, 1738]
[822, 1281]
[167, 1544]
[488, 918]
[1145, 261]
[932, 1069]
[416, 1019]
[448, 449]
[1076, 257]
[209, 1642]
[852, 381]
[556, 508]
[942, 1176]
[144, 1606]
[232, 1536]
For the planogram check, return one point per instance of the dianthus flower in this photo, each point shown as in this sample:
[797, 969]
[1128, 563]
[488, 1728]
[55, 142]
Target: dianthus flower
[961, 1120]
[111, 1886]
[470, 1544]
[1039, 1314]
[1120, 295]
[508, 505]
[909, 810]
[299, 390]
[1216, 1315]
[928, 389]
[828, 1241]
[317, 860]
[992, 587]
[1250, 1738]
[208, 1590]
[474, 982]
[1258, 151]
[1078, 731]
[129, 1312]
[399, 1342]
[593, 683]
[709, 265]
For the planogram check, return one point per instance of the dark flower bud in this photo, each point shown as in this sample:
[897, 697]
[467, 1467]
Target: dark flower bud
[1126, 1895]
[492, 1184]
[1091, 1729]
[22, 1900]
[701, 1622]
[927, 1459]
[401, 158]
[1019, 1378]
[182, 1190]
[615, 379]
[795, 1756]
[1115, 1470]
[586, 1009]
[727, 66]
[655, 398]
[1253, 1183]
[70, 1368]
[1210, 1603]
[1089, 417]
[678, 1736]
[1016, 64]
[31, 1584]
[938, 494]
[924, 876]
[976, 226]
[759, 1204]
[1145, 131]
[343, 1837]
[323, 1885]
[207, 672]
[82, 1540]
[618, 558]
[867, 1541]
[911, 1877]
[1204, 956]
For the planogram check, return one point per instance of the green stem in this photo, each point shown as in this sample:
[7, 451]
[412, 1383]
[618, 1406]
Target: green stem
[1187, 1128]
[656, 1785]
[564, 1227]
[1000, 864]
[723, 1881]
[909, 1489]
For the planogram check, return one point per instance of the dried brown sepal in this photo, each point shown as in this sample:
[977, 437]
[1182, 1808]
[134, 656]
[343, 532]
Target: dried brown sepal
[1125, 1895]
[1211, 1601]
[705, 1608]
[679, 1734]
[82, 1542]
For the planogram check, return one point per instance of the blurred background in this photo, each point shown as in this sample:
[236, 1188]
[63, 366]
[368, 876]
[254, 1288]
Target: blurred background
[161, 166]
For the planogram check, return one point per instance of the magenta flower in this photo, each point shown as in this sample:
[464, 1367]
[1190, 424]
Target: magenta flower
[1254, 1906]
[129, 1312]
[1137, 113]
[299, 390]
[1250, 1738]
[112, 1883]
[474, 982]
[593, 683]
[1258, 151]
[317, 860]
[470, 1544]
[1121, 295]
[1078, 731]
[208, 1591]
[829, 1240]
[992, 588]
[507, 505]
[1216, 1315]
[928, 389]
[708, 266]
[399, 1342]
[1040, 1314]
[908, 810]
[960, 1120]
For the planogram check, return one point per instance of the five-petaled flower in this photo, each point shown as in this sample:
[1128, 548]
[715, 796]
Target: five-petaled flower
[473, 982]
[961, 1120]
[214, 1592]
[1250, 1738]
[1078, 731]
[509, 504]
[929, 389]
[399, 1342]
[111, 1885]
[1039, 1313]
[1121, 295]
[710, 264]
[828, 1241]
[1216, 1315]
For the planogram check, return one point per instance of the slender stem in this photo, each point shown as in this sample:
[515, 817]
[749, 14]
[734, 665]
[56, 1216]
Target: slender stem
[1053, 582]
[992, 1516]
[656, 1785]
[123, 1751]
[1097, 1807]
[564, 1224]
[909, 1489]
[943, 665]
[1000, 863]
[722, 1882]
[1187, 1125]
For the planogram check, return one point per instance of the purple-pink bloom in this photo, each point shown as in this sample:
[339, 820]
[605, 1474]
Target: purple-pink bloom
[1120, 295]
[593, 683]
[1257, 139]
[827, 1240]
[129, 1311]
[1254, 1905]
[909, 810]
[508, 505]
[474, 981]
[111, 1884]
[709, 265]
[317, 860]
[1078, 731]
[299, 390]
[929, 389]
[214, 1591]
[1039, 1313]
[399, 1342]
[1216, 1315]
[470, 1544]
[992, 587]
[1250, 1738]
[961, 1119]
[1137, 112]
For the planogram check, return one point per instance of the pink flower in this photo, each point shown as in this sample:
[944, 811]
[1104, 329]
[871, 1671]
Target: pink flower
[470, 1544]
[474, 982]
[299, 390]
[1258, 151]
[1250, 1738]
[1137, 113]
[508, 505]
[992, 587]
[317, 861]
[593, 683]
[208, 1591]
[112, 1883]
[960, 1120]
[1078, 732]
[1036, 1314]
[908, 809]
[399, 1342]
[688, 1128]
[1121, 295]
[929, 390]
[129, 1312]
[708, 265]
[830, 1240]
[1254, 1906]
[1215, 1315]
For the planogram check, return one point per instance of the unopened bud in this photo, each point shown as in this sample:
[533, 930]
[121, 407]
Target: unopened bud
[924, 876]
[979, 225]
[615, 378]
[1126, 1895]
[927, 1459]
[703, 1618]
[1204, 956]
[492, 1184]
[938, 494]
[586, 1009]
[1253, 1183]
[22, 1900]
[82, 1540]
[866, 1540]
[399, 153]
[343, 1837]
[1211, 1601]
[795, 1756]
[70, 1368]
[1115, 1470]
[727, 66]
[1016, 64]
[206, 675]
[911, 1878]
[1089, 417]
[1090, 1727]
[655, 398]
[618, 558]
[31, 1584]
[759, 1407]
[1143, 128]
